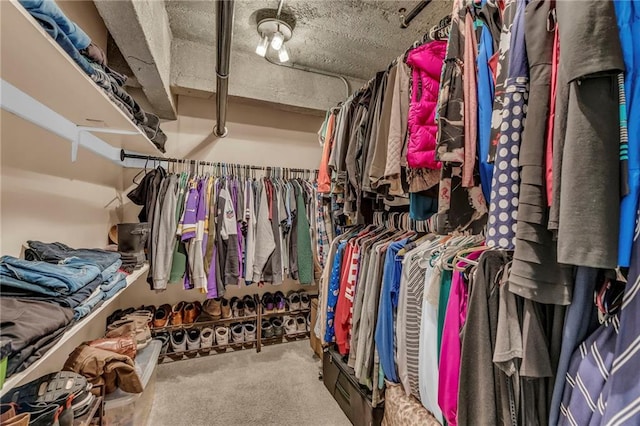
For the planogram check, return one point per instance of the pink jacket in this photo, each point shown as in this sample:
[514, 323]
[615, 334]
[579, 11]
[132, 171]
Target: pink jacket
[426, 62]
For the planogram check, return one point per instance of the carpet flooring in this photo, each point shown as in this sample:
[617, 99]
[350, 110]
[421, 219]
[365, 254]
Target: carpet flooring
[278, 386]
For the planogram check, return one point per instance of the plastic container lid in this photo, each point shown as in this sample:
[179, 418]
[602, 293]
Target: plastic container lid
[146, 361]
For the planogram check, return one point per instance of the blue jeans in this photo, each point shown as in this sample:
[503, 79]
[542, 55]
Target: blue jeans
[64, 278]
[113, 281]
[78, 38]
[88, 305]
[65, 300]
[54, 252]
[115, 288]
[111, 271]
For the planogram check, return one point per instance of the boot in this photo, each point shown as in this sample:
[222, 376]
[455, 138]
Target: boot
[132, 240]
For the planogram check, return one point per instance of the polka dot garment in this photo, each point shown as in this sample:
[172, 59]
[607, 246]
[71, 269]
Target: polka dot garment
[505, 185]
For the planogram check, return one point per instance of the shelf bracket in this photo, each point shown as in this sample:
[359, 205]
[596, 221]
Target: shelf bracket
[84, 130]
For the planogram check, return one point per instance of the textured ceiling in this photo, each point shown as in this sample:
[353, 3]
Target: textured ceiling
[354, 38]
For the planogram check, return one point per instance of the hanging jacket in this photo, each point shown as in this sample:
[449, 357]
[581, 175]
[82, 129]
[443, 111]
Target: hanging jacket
[426, 62]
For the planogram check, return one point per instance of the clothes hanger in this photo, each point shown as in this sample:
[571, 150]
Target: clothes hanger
[461, 259]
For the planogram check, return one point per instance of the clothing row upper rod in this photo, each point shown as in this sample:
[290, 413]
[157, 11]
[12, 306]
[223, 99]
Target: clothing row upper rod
[124, 155]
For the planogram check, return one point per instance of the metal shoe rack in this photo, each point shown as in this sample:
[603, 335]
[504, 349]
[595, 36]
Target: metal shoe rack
[258, 343]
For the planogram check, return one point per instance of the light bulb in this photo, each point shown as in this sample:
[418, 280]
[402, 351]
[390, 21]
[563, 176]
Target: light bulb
[263, 44]
[283, 55]
[277, 40]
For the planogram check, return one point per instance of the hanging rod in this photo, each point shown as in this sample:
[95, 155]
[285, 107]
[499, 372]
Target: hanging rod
[124, 155]
[405, 20]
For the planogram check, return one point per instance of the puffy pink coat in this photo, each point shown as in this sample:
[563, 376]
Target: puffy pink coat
[426, 62]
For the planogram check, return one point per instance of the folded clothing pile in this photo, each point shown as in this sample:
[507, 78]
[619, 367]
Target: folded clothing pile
[92, 60]
[43, 295]
[53, 399]
[130, 241]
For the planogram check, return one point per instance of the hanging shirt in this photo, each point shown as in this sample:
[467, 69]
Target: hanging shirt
[333, 293]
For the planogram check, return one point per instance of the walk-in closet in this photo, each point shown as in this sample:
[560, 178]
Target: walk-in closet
[319, 212]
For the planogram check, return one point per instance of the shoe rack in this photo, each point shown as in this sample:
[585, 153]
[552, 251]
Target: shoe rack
[256, 344]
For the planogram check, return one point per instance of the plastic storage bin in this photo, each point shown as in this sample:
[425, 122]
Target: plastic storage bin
[133, 409]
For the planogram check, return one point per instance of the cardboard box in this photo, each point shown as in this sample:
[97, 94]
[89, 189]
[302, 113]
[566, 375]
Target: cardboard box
[313, 340]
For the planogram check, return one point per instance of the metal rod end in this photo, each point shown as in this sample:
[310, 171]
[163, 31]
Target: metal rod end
[216, 131]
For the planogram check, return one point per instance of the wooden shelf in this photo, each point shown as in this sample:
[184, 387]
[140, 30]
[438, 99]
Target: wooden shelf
[34, 63]
[19, 378]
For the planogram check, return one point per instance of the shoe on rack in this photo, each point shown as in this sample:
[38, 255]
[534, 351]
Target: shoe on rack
[309, 322]
[268, 303]
[222, 336]
[294, 301]
[225, 307]
[213, 307]
[237, 307]
[267, 330]
[206, 340]
[178, 343]
[164, 338]
[161, 317]
[237, 333]
[249, 332]
[276, 323]
[280, 301]
[305, 300]
[301, 324]
[129, 327]
[141, 319]
[290, 325]
[193, 341]
[249, 306]
[177, 314]
[191, 312]
[151, 309]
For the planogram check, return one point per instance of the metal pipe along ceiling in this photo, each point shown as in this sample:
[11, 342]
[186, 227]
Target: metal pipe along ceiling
[224, 31]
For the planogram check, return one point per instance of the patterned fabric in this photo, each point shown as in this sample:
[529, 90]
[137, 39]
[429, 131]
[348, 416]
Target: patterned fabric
[333, 293]
[589, 370]
[322, 237]
[451, 99]
[623, 395]
[403, 410]
[505, 185]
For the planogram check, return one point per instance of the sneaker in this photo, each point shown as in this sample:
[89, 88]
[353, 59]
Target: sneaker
[294, 301]
[276, 323]
[193, 339]
[249, 332]
[213, 307]
[267, 330]
[249, 306]
[301, 324]
[290, 325]
[225, 308]
[206, 340]
[177, 313]
[305, 300]
[191, 312]
[237, 333]
[178, 342]
[237, 307]
[268, 303]
[164, 338]
[161, 317]
[222, 336]
[280, 301]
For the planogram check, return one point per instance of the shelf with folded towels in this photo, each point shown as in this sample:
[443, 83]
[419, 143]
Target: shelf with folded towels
[35, 65]
[69, 340]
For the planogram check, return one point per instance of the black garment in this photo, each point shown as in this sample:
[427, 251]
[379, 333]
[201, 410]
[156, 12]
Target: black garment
[146, 192]
[31, 326]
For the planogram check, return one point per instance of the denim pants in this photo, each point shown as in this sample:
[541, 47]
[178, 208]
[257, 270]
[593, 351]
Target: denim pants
[55, 252]
[88, 305]
[78, 38]
[64, 278]
[68, 301]
[113, 281]
[111, 271]
[115, 288]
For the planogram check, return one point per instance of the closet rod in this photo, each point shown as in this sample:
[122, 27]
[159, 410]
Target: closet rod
[406, 20]
[124, 155]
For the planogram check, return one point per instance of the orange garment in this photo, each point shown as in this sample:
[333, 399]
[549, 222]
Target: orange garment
[324, 177]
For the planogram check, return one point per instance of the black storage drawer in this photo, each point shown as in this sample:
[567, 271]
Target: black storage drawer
[345, 389]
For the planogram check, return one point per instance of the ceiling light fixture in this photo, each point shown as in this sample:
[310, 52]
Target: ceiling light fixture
[283, 55]
[263, 45]
[275, 29]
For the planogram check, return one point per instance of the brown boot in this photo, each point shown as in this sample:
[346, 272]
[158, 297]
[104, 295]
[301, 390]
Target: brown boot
[225, 307]
[18, 420]
[177, 314]
[213, 308]
[191, 312]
